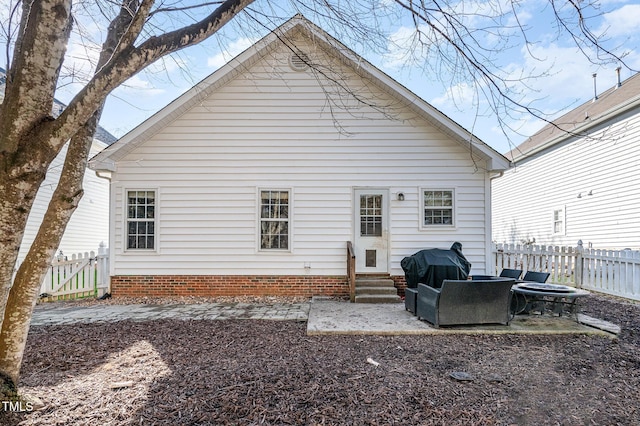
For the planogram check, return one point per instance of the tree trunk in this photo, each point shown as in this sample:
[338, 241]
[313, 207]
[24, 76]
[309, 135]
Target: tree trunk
[18, 189]
[30, 139]
[25, 154]
[24, 292]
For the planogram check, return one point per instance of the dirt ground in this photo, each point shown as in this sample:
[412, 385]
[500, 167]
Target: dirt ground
[173, 372]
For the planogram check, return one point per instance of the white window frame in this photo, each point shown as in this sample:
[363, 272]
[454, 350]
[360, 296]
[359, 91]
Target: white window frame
[125, 228]
[260, 220]
[562, 220]
[421, 206]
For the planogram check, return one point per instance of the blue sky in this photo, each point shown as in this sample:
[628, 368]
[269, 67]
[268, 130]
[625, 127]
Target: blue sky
[567, 83]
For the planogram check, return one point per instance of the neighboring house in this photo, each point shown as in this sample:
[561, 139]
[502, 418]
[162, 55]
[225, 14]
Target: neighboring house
[577, 178]
[89, 225]
[253, 181]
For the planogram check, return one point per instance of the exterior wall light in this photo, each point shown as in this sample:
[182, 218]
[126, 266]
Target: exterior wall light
[400, 196]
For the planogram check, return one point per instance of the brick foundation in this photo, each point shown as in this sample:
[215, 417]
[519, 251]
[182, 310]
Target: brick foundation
[228, 285]
[400, 283]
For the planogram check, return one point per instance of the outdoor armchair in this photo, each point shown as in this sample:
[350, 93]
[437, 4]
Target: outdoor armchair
[511, 273]
[464, 302]
[536, 277]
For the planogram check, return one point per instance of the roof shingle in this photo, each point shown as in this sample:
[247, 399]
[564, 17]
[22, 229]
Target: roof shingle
[576, 122]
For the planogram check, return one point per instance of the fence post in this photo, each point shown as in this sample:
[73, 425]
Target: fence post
[579, 264]
[494, 258]
[102, 262]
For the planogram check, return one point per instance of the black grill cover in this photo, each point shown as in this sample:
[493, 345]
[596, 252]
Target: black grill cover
[432, 266]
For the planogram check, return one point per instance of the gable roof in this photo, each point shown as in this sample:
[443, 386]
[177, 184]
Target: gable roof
[101, 133]
[607, 106]
[107, 158]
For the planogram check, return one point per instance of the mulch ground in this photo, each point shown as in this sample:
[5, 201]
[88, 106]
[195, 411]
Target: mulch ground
[173, 372]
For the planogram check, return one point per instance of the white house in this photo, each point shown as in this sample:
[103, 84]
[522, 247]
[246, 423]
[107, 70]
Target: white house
[89, 225]
[253, 181]
[577, 178]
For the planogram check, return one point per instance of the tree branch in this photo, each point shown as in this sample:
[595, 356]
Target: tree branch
[33, 75]
[130, 60]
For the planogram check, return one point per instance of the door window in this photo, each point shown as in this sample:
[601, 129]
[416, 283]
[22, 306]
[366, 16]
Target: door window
[371, 215]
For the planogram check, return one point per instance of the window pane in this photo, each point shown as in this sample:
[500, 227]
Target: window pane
[428, 198]
[284, 242]
[140, 230]
[438, 207]
[371, 215]
[274, 215]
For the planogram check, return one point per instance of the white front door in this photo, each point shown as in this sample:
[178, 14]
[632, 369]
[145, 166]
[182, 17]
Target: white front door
[371, 243]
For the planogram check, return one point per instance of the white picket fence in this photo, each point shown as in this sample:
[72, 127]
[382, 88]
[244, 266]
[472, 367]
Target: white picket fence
[82, 275]
[615, 272]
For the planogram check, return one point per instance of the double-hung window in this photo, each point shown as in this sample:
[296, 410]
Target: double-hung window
[558, 221]
[438, 207]
[274, 220]
[141, 220]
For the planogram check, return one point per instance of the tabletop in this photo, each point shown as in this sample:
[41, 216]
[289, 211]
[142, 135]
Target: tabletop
[550, 290]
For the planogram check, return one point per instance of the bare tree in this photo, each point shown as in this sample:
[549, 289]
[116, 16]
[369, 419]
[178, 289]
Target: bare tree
[444, 38]
[30, 138]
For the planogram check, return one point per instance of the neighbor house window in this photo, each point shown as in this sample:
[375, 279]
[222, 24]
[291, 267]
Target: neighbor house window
[558, 221]
[437, 207]
[274, 220]
[141, 220]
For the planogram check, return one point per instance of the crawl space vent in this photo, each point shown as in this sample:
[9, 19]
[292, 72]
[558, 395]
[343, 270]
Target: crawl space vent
[299, 61]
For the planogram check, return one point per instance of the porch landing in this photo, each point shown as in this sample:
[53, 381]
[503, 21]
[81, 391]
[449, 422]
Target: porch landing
[327, 316]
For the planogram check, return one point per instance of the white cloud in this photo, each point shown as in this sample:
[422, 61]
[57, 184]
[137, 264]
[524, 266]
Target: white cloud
[622, 22]
[401, 48]
[459, 94]
[231, 51]
[168, 64]
[570, 75]
[139, 86]
[81, 58]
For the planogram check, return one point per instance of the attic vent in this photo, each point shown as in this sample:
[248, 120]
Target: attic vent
[299, 61]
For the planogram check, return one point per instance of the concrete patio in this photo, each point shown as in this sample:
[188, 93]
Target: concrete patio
[334, 317]
[324, 316]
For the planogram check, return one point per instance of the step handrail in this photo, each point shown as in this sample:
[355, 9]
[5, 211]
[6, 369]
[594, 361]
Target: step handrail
[351, 271]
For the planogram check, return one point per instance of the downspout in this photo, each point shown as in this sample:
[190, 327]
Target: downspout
[106, 174]
[491, 270]
[499, 175]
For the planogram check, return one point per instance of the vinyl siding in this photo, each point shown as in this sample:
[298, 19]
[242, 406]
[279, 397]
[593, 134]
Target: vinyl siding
[607, 164]
[274, 128]
[89, 225]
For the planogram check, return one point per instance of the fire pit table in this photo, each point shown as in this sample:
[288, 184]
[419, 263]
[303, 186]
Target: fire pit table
[531, 297]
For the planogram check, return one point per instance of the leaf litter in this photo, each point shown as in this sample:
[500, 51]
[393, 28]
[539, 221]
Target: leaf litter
[260, 372]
